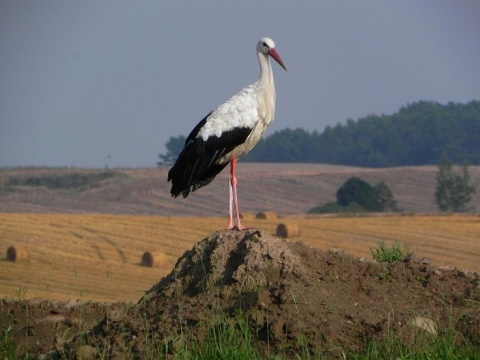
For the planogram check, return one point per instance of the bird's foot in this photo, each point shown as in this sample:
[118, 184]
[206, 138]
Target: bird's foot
[237, 227]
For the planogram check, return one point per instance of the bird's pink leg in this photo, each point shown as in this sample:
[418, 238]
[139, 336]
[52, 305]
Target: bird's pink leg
[233, 188]
[230, 204]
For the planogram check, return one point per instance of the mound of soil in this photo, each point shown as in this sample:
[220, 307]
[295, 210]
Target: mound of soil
[292, 295]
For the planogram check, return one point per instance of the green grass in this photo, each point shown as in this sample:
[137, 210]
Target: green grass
[224, 340]
[8, 348]
[227, 340]
[424, 347]
[233, 338]
[385, 254]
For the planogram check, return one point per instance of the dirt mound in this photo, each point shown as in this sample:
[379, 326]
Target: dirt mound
[291, 295]
[228, 263]
[294, 293]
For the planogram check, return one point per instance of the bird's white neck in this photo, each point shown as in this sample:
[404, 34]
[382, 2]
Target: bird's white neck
[266, 73]
[266, 83]
[265, 94]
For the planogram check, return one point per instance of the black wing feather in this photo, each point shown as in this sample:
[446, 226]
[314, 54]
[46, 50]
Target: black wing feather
[193, 134]
[197, 164]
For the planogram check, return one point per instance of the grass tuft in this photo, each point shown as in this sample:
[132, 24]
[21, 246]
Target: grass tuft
[445, 346]
[227, 340]
[8, 348]
[385, 254]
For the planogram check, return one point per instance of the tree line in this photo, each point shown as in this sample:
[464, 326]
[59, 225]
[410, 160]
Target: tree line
[420, 133]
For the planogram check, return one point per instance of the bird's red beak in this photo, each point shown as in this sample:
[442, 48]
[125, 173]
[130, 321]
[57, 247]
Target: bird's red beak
[273, 53]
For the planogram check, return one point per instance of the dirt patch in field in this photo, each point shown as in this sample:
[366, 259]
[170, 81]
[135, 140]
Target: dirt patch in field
[294, 297]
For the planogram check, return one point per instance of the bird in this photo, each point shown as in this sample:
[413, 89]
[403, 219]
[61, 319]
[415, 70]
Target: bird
[227, 133]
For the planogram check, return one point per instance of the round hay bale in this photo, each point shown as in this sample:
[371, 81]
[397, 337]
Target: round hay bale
[18, 253]
[247, 216]
[267, 215]
[288, 231]
[154, 259]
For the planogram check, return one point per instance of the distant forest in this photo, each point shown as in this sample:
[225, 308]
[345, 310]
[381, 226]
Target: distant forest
[420, 133]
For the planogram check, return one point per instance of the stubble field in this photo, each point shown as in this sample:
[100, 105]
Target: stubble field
[97, 257]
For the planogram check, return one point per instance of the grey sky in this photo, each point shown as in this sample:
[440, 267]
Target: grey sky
[106, 83]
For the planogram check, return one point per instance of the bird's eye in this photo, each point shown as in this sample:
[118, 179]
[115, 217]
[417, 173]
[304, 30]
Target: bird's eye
[266, 46]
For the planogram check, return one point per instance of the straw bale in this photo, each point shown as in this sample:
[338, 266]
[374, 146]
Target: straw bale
[288, 231]
[267, 215]
[18, 253]
[154, 258]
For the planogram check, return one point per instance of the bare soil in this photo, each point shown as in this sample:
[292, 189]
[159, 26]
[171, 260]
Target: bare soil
[292, 295]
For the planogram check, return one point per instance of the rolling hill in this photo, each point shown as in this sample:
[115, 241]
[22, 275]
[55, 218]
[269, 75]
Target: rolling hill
[286, 188]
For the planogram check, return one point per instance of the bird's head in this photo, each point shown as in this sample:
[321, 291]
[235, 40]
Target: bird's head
[266, 46]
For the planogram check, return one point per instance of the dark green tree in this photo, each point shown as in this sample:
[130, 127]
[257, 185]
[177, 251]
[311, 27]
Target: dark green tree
[174, 146]
[454, 189]
[357, 195]
[356, 190]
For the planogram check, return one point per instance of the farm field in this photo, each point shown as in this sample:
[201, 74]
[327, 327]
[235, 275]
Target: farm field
[97, 257]
[262, 187]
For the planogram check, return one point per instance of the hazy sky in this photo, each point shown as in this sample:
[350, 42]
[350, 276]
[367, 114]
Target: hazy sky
[107, 83]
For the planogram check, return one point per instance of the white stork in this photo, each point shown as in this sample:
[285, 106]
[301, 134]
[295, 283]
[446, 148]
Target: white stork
[227, 133]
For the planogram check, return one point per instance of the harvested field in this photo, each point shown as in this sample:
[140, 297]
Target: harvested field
[98, 257]
[296, 301]
[261, 188]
